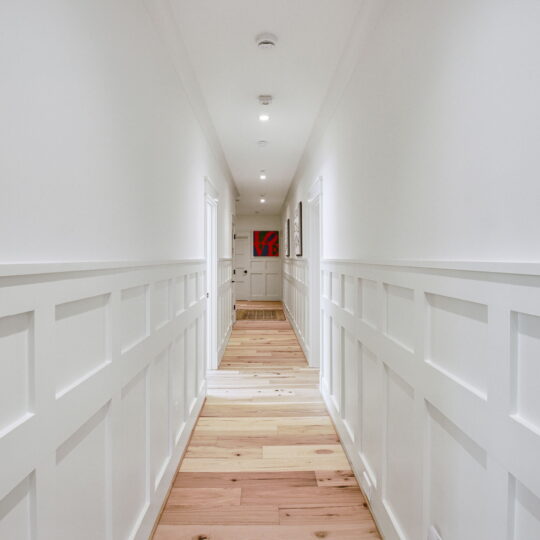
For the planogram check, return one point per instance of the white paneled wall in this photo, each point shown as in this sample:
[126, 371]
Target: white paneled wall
[102, 377]
[225, 304]
[295, 298]
[432, 377]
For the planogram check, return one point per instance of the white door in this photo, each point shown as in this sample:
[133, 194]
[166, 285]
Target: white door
[241, 267]
[256, 278]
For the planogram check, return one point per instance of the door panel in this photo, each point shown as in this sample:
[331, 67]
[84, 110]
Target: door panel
[241, 266]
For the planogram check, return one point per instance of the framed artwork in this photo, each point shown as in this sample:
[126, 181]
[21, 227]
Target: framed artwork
[298, 230]
[266, 243]
[288, 238]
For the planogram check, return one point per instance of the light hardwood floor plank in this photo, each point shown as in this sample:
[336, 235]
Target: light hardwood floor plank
[264, 461]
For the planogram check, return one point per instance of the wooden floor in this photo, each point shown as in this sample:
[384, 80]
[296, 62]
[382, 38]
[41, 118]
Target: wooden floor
[264, 461]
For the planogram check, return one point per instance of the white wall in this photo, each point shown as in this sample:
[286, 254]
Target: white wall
[427, 147]
[102, 154]
[261, 222]
[431, 149]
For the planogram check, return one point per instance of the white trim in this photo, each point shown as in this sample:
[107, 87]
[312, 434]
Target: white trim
[33, 268]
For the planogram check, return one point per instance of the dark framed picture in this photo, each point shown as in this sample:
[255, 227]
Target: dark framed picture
[266, 243]
[298, 230]
[288, 238]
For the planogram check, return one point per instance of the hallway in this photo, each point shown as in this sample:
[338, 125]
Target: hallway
[264, 461]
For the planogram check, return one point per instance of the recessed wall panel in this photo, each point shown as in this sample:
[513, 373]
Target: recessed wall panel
[457, 337]
[402, 456]
[371, 410]
[526, 368]
[349, 294]
[326, 284]
[337, 363]
[179, 294]
[134, 322]
[191, 294]
[191, 365]
[525, 512]
[83, 482]
[177, 385]
[369, 301]
[400, 315]
[336, 288]
[17, 359]
[273, 284]
[159, 414]
[351, 368]
[258, 285]
[17, 511]
[457, 481]
[161, 303]
[132, 454]
[82, 339]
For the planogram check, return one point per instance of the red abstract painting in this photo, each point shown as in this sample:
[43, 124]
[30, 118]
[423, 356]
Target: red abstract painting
[266, 243]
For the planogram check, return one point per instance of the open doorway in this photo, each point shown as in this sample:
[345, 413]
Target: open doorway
[314, 264]
[211, 205]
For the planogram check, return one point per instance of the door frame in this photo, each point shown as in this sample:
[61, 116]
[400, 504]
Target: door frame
[211, 201]
[315, 252]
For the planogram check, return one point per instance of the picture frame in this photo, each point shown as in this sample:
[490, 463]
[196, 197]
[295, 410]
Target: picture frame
[265, 243]
[288, 238]
[298, 241]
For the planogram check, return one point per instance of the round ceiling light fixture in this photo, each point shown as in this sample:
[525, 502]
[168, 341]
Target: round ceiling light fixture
[262, 176]
[263, 200]
[266, 40]
[264, 117]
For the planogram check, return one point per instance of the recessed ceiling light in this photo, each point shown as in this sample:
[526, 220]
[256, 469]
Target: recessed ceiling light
[263, 200]
[262, 176]
[262, 143]
[264, 117]
[266, 40]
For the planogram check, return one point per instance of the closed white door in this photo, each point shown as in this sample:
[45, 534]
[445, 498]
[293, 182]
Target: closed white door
[256, 278]
[241, 264]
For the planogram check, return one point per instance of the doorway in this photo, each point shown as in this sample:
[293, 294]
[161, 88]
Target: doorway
[211, 205]
[241, 266]
[314, 268]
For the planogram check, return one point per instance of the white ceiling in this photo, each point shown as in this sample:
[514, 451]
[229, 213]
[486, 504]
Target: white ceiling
[219, 36]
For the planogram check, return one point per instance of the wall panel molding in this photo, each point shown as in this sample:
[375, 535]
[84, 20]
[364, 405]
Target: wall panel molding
[104, 369]
[295, 298]
[225, 304]
[429, 375]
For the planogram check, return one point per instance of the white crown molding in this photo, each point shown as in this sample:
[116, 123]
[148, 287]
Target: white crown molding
[163, 17]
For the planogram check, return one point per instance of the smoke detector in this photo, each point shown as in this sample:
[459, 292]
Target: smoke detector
[265, 99]
[266, 40]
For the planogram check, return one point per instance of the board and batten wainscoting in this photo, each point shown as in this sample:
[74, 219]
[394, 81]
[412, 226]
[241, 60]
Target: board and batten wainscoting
[102, 378]
[430, 372]
[295, 298]
[225, 304]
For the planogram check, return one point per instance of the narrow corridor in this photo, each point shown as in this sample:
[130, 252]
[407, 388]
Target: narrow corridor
[264, 461]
